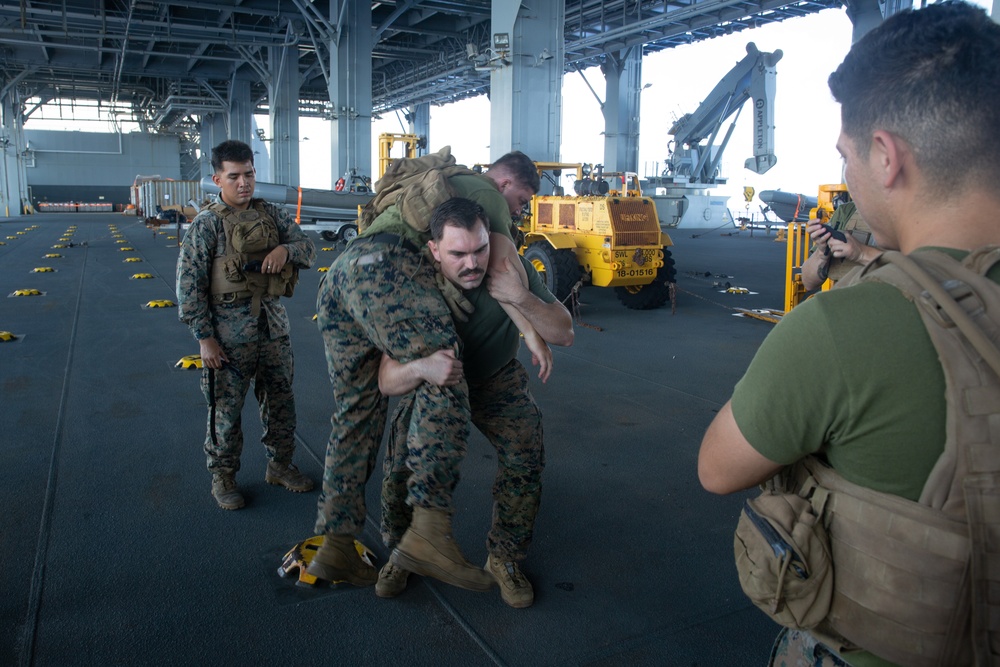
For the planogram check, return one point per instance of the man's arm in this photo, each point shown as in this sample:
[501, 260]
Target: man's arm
[552, 321]
[726, 461]
[193, 269]
[502, 251]
[814, 269]
[852, 250]
[295, 243]
[441, 369]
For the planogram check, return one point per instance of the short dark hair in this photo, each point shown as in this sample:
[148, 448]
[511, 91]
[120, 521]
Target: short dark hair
[457, 212]
[929, 76]
[520, 167]
[231, 151]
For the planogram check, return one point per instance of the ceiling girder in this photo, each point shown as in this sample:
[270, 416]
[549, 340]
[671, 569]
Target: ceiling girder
[141, 47]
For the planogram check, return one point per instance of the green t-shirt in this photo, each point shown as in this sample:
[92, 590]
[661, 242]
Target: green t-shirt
[480, 189]
[490, 339]
[852, 374]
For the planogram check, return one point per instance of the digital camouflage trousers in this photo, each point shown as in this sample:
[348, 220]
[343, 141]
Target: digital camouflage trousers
[798, 648]
[506, 413]
[267, 364]
[379, 298]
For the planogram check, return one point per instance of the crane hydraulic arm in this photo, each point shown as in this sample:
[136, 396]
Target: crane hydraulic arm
[694, 156]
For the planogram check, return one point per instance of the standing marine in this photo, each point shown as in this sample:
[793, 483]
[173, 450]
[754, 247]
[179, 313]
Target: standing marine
[238, 258]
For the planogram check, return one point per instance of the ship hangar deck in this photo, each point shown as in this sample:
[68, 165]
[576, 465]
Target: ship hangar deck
[113, 551]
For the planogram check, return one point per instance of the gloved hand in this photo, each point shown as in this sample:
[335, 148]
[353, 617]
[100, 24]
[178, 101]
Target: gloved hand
[460, 307]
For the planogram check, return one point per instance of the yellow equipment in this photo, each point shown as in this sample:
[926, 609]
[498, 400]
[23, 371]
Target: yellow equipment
[827, 201]
[298, 558]
[607, 235]
[798, 242]
[411, 142]
[189, 362]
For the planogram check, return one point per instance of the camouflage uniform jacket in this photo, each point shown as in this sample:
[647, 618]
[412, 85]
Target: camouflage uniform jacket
[231, 322]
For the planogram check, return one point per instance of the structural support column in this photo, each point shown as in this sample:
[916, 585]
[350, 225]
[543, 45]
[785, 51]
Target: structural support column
[526, 82]
[623, 84]
[284, 115]
[13, 178]
[419, 118]
[351, 88]
[240, 110]
[213, 133]
[866, 14]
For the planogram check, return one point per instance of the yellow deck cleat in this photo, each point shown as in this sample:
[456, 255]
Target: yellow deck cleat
[6, 337]
[126, 249]
[159, 303]
[189, 362]
[133, 259]
[299, 557]
[52, 255]
[43, 269]
[142, 276]
[323, 269]
[26, 292]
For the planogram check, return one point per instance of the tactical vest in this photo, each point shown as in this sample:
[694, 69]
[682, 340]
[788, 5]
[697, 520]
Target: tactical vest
[416, 186]
[918, 583]
[856, 226]
[250, 236]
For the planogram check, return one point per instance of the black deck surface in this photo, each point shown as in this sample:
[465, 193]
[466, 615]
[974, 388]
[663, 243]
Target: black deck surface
[113, 552]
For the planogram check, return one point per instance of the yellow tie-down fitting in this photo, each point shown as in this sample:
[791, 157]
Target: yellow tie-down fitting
[299, 557]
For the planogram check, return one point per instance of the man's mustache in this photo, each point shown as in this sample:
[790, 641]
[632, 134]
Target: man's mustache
[470, 272]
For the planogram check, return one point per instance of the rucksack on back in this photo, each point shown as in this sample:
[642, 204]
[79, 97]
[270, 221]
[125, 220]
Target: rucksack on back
[416, 186]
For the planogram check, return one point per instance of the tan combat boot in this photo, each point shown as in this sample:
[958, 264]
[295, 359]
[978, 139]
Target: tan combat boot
[288, 476]
[428, 549]
[338, 560]
[391, 581]
[225, 491]
[515, 589]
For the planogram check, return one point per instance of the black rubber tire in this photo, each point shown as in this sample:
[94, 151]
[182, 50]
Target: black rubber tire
[560, 271]
[328, 236]
[348, 233]
[656, 293]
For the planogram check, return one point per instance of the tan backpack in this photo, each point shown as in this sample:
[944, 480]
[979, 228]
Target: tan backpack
[917, 583]
[416, 186]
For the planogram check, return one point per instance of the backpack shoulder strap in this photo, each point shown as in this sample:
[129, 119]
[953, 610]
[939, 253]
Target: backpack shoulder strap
[953, 293]
[960, 307]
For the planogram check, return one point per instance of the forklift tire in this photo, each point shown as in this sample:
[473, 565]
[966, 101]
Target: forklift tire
[653, 295]
[558, 269]
[348, 233]
[328, 236]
